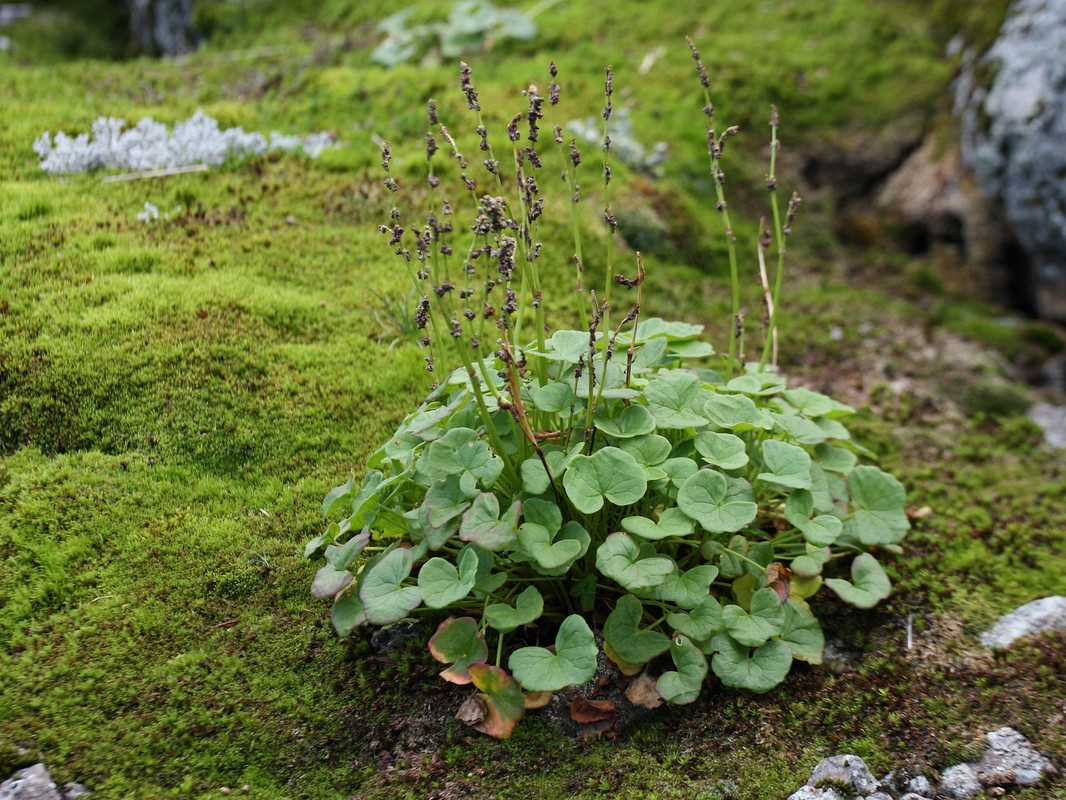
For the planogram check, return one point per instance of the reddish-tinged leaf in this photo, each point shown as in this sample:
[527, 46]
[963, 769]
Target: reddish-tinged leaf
[504, 701]
[457, 642]
[584, 711]
[778, 578]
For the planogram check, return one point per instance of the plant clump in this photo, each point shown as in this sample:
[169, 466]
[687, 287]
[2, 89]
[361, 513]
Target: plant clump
[619, 477]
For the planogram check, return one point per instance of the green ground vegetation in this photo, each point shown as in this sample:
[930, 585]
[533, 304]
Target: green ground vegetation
[176, 397]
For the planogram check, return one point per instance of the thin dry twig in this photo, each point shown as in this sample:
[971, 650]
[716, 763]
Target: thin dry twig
[769, 300]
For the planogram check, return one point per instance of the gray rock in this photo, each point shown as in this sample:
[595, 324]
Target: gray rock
[846, 770]
[907, 780]
[1052, 419]
[913, 796]
[960, 782]
[811, 793]
[1014, 138]
[32, 783]
[879, 796]
[72, 791]
[1039, 616]
[1011, 759]
[919, 785]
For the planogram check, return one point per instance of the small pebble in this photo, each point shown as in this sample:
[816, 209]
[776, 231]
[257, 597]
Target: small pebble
[224, 790]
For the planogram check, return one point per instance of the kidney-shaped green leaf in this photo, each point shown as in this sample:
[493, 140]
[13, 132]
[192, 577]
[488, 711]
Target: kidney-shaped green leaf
[821, 531]
[878, 500]
[803, 632]
[675, 400]
[329, 580]
[759, 671]
[764, 621]
[483, 525]
[723, 450]
[622, 632]
[460, 452]
[619, 557]
[701, 623]
[719, 503]
[573, 662]
[385, 599]
[535, 480]
[786, 464]
[689, 588]
[735, 412]
[683, 685]
[536, 542]
[442, 584]
[608, 473]
[529, 605]
[869, 584]
[632, 420]
[347, 614]
[672, 522]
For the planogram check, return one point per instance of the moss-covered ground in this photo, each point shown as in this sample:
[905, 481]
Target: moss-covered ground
[176, 397]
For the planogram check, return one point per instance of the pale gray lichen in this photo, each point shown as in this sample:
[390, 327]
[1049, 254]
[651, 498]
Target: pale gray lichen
[152, 145]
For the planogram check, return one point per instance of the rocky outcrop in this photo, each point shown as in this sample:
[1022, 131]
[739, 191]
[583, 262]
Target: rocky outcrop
[933, 197]
[1009, 761]
[34, 783]
[1014, 138]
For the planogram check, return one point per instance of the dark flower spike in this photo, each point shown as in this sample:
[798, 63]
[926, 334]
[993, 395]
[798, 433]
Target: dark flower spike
[468, 88]
[608, 90]
[793, 207]
[432, 108]
[704, 78]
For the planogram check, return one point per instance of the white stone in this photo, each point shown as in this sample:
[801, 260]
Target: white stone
[1039, 616]
[960, 782]
[811, 793]
[1052, 420]
[1012, 755]
[32, 783]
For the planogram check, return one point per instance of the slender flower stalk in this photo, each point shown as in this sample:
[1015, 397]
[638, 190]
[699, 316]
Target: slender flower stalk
[715, 146]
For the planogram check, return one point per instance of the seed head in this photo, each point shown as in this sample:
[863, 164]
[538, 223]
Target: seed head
[608, 90]
[575, 154]
[704, 79]
[468, 88]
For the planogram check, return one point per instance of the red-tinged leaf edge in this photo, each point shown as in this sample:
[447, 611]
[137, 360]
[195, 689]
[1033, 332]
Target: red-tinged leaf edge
[504, 700]
[457, 642]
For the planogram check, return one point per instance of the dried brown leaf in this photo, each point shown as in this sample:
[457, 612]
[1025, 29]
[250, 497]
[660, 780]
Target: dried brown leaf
[642, 691]
[584, 711]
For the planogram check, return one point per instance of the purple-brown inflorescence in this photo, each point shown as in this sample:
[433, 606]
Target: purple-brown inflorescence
[704, 77]
[465, 74]
[608, 90]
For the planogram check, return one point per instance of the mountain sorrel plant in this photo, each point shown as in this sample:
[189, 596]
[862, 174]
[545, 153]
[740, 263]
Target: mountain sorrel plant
[553, 480]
